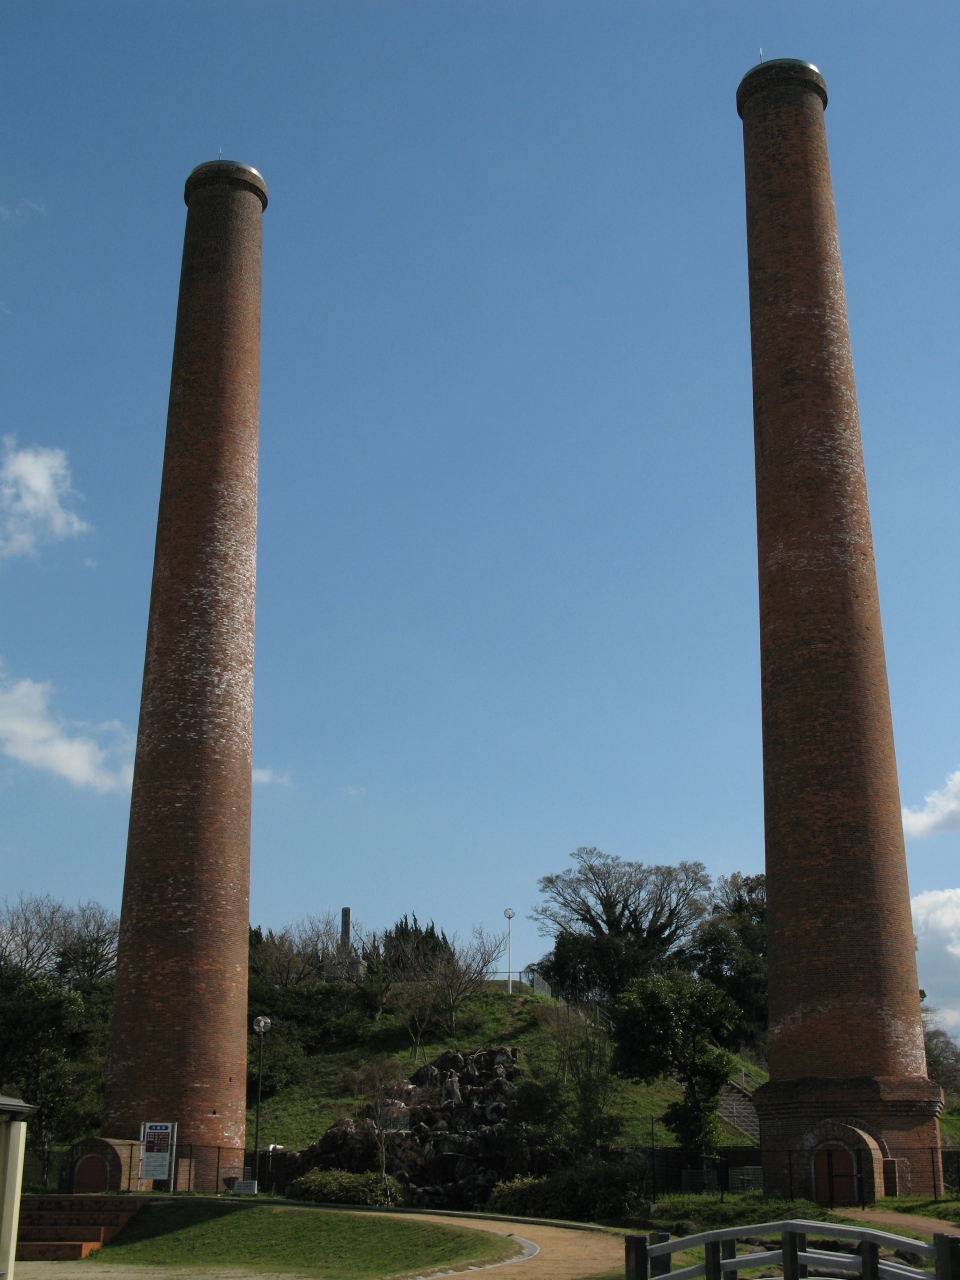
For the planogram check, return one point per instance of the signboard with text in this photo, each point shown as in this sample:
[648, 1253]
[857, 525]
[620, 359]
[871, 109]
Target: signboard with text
[157, 1145]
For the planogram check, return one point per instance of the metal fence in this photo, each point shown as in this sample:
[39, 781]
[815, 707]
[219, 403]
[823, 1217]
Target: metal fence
[670, 1171]
[798, 1248]
[95, 1166]
[833, 1176]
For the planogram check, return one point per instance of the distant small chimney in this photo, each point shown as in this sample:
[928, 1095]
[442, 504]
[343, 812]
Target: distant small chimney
[346, 929]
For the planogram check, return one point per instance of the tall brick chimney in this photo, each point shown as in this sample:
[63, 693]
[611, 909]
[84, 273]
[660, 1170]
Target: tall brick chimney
[847, 1064]
[178, 1038]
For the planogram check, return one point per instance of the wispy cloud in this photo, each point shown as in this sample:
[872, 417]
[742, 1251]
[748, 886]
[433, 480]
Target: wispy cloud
[22, 212]
[936, 922]
[264, 777]
[97, 756]
[353, 793]
[940, 812]
[35, 487]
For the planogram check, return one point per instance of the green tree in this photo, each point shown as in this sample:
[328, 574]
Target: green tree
[56, 992]
[379, 1084]
[415, 954]
[592, 1091]
[729, 948]
[672, 1026]
[45, 1035]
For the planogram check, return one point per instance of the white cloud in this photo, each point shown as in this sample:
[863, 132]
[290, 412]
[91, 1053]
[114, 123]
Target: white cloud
[936, 922]
[267, 776]
[353, 793]
[940, 812]
[34, 486]
[30, 734]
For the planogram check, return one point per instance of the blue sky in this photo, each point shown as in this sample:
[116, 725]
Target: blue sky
[507, 576]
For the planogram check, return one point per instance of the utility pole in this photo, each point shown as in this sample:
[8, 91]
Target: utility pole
[509, 913]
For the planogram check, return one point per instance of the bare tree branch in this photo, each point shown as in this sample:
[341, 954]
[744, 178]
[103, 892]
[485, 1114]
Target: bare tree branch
[464, 969]
[72, 945]
[604, 895]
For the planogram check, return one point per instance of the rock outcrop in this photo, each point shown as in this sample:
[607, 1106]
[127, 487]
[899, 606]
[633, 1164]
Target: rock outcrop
[448, 1136]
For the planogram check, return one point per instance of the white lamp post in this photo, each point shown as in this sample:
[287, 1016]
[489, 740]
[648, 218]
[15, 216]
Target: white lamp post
[261, 1026]
[509, 913]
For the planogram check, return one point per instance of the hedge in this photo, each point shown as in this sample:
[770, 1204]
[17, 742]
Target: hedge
[335, 1186]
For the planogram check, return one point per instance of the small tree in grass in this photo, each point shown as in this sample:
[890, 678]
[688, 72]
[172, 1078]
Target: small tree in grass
[670, 1026]
[378, 1084]
[415, 954]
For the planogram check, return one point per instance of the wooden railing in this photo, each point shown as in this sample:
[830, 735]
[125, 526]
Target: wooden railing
[650, 1256]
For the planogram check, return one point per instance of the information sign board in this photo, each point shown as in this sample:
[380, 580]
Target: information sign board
[157, 1145]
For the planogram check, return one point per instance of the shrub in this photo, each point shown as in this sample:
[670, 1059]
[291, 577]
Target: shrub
[708, 1212]
[585, 1192]
[336, 1186]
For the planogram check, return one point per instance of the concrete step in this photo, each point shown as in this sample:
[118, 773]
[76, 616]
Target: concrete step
[66, 1228]
[54, 1251]
[736, 1107]
[83, 1204]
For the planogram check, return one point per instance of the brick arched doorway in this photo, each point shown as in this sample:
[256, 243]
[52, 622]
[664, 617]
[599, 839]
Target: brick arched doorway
[91, 1174]
[835, 1175]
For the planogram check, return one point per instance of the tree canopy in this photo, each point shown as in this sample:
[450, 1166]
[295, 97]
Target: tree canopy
[729, 949]
[614, 921]
[671, 1026]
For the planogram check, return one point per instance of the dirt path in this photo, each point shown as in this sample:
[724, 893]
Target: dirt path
[908, 1221]
[564, 1254]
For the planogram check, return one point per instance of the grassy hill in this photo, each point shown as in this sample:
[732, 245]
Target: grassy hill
[296, 1114]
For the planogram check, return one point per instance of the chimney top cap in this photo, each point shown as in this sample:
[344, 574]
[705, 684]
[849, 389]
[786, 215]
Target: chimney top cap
[779, 71]
[228, 172]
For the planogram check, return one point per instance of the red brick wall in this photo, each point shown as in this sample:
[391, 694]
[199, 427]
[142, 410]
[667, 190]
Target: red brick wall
[843, 978]
[178, 1037]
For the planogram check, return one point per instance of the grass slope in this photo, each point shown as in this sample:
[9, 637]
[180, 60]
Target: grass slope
[298, 1115]
[950, 1125]
[311, 1242]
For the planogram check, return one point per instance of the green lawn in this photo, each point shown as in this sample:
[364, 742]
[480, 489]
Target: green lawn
[310, 1242]
[950, 1125]
[922, 1206]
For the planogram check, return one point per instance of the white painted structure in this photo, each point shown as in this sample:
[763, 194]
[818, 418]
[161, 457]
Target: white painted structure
[13, 1142]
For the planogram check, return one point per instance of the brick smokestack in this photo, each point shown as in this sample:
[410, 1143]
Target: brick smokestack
[846, 1040]
[178, 1038]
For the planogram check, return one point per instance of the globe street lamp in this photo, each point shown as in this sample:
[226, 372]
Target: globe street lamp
[261, 1026]
[509, 913]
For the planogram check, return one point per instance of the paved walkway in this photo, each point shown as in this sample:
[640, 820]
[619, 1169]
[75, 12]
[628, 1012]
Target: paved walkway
[564, 1253]
[907, 1221]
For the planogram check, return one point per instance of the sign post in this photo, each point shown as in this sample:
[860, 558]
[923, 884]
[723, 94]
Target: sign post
[158, 1145]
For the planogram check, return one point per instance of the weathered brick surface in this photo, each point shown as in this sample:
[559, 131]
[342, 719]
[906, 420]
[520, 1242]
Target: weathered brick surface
[178, 1036]
[899, 1116]
[842, 972]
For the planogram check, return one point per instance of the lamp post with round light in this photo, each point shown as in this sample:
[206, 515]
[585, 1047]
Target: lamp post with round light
[509, 913]
[261, 1026]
